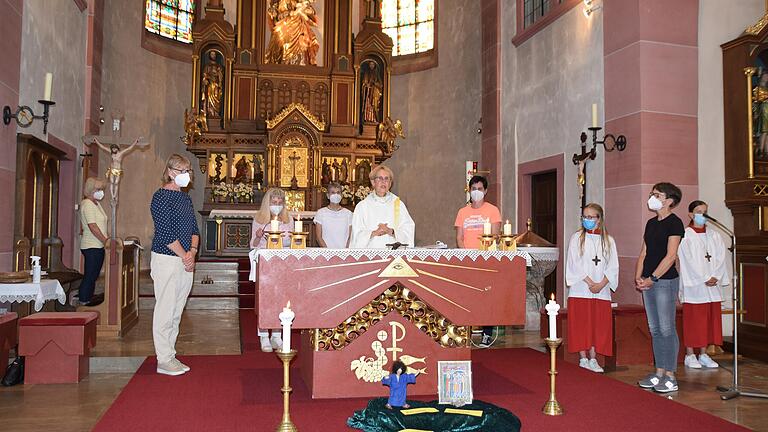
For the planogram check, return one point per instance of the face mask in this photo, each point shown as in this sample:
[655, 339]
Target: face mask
[588, 224]
[335, 198]
[182, 180]
[98, 195]
[654, 203]
[275, 209]
[476, 195]
[699, 219]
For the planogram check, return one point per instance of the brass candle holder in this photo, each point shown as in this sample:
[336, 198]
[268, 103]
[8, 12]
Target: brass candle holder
[508, 242]
[274, 239]
[488, 242]
[552, 407]
[286, 425]
[299, 240]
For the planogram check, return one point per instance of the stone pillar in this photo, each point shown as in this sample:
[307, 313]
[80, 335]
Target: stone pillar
[491, 99]
[651, 96]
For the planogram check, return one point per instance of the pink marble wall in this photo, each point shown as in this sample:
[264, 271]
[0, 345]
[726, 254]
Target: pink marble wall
[10, 46]
[491, 99]
[651, 96]
[93, 58]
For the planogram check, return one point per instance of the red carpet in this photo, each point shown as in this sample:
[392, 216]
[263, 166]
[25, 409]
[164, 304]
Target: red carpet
[241, 393]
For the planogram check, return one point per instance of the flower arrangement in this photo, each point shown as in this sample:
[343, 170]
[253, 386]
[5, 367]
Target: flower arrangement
[222, 190]
[242, 190]
[346, 192]
[361, 192]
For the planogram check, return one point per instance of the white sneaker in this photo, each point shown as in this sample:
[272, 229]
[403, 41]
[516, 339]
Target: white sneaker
[277, 342]
[707, 361]
[595, 366]
[584, 363]
[178, 362]
[170, 368]
[691, 362]
[266, 346]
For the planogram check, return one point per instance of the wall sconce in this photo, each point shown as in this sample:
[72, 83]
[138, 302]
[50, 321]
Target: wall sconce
[480, 126]
[25, 116]
[589, 7]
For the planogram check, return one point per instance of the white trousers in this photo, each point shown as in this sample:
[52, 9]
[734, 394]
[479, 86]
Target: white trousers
[172, 286]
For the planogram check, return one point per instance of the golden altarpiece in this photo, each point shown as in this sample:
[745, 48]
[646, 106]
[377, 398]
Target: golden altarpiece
[288, 98]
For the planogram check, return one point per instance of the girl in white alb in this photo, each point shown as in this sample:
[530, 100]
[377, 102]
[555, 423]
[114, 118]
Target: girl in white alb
[591, 273]
[703, 273]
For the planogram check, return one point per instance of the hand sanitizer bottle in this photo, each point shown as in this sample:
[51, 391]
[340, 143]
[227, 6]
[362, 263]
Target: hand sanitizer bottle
[35, 269]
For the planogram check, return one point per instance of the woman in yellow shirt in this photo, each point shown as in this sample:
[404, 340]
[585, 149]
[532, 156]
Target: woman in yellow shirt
[93, 220]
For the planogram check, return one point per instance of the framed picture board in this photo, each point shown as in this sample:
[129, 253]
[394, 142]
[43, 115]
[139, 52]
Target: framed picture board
[454, 382]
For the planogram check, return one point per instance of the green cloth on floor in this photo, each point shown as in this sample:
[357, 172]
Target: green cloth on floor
[377, 418]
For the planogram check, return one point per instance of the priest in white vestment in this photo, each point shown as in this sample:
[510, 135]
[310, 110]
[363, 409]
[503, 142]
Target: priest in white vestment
[381, 218]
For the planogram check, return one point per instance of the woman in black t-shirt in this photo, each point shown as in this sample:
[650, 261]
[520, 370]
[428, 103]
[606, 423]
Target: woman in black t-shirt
[657, 278]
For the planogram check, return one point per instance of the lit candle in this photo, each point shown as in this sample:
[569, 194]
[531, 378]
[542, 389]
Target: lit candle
[486, 228]
[552, 307]
[297, 226]
[48, 85]
[507, 228]
[274, 225]
[286, 317]
[594, 115]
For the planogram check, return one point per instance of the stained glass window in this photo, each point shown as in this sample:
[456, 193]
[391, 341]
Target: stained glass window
[410, 24]
[170, 18]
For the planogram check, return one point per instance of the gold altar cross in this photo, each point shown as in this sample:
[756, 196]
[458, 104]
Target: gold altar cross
[294, 158]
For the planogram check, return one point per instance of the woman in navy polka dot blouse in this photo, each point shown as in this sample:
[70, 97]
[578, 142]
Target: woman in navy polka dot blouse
[174, 248]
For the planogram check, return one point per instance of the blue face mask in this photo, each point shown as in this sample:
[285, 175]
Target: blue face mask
[588, 224]
[699, 219]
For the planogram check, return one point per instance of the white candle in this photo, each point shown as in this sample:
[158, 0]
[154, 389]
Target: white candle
[286, 318]
[274, 225]
[552, 307]
[297, 226]
[486, 228]
[507, 228]
[48, 85]
[594, 115]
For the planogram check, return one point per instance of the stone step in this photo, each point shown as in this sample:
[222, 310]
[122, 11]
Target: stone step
[197, 303]
[198, 289]
[213, 265]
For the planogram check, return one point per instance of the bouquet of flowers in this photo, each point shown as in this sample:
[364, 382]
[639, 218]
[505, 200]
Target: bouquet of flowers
[361, 192]
[242, 190]
[222, 190]
[346, 192]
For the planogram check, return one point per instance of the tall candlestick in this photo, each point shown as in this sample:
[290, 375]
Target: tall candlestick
[594, 115]
[274, 225]
[298, 226]
[286, 318]
[552, 307]
[486, 228]
[507, 228]
[48, 85]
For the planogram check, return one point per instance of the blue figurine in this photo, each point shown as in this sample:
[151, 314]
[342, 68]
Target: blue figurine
[397, 381]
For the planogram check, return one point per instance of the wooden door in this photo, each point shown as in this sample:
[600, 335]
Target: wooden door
[544, 216]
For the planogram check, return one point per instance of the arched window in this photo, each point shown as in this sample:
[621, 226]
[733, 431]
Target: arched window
[410, 24]
[170, 18]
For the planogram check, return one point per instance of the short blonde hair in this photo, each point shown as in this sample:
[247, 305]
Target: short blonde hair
[175, 161]
[263, 216]
[377, 168]
[92, 184]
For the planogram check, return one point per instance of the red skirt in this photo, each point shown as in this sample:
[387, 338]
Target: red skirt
[702, 325]
[590, 325]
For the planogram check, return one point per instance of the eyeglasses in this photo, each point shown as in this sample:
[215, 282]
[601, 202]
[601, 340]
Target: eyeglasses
[591, 217]
[659, 195]
[183, 171]
[382, 179]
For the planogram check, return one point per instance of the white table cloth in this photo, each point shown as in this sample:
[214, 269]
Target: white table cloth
[47, 289]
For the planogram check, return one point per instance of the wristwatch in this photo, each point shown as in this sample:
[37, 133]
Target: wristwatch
[654, 279]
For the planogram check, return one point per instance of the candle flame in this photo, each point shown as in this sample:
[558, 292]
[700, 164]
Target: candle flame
[288, 305]
[552, 296]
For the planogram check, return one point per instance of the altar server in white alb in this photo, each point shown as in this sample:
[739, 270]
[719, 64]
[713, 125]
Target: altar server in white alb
[703, 273]
[381, 218]
[591, 273]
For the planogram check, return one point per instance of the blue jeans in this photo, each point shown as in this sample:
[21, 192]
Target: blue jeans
[660, 310]
[94, 260]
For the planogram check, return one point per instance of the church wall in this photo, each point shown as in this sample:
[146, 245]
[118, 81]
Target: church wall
[54, 40]
[10, 46]
[152, 92]
[549, 84]
[717, 25]
[440, 108]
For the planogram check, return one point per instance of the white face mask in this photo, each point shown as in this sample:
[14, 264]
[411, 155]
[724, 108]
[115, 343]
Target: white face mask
[335, 198]
[98, 195]
[275, 209]
[654, 203]
[182, 180]
[476, 195]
